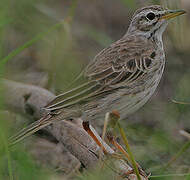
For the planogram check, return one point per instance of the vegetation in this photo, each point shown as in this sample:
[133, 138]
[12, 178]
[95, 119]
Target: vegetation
[48, 43]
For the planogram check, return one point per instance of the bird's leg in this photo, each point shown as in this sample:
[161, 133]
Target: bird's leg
[115, 116]
[113, 141]
[107, 150]
[94, 136]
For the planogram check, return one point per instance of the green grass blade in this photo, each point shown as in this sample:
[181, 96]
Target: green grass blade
[129, 151]
[39, 36]
[179, 153]
[5, 144]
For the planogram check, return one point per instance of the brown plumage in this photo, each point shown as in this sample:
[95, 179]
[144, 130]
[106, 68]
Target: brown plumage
[121, 77]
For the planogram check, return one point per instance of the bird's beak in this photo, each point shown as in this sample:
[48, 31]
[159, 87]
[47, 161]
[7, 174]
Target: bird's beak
[172, 13]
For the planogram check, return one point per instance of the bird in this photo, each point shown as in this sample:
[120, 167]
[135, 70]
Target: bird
[121, 77]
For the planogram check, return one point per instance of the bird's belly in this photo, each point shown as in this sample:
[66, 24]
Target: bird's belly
[125, 101]
[132, 102]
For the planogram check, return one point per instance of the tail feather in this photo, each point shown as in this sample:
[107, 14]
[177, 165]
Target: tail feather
[31, 129]
[43, 122]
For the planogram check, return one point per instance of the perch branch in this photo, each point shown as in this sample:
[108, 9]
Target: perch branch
[28, 100]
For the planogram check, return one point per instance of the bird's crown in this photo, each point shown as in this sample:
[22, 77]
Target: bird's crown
[150, 19]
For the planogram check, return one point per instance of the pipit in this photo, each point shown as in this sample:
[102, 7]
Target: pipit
[121, 77]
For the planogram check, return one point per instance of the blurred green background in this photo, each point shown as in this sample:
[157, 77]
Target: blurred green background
[59, 56]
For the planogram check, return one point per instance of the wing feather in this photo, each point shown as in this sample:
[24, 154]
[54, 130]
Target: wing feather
[112, 68]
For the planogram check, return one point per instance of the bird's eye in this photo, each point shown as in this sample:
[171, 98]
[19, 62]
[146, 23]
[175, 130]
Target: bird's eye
[150, 16]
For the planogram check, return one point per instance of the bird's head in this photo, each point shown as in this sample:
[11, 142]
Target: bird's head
[152, 20]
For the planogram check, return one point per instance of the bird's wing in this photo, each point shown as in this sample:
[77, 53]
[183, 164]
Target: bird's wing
[122, 63]
[125, 61]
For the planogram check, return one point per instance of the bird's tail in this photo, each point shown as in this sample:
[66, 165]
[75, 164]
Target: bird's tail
[31, 129]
